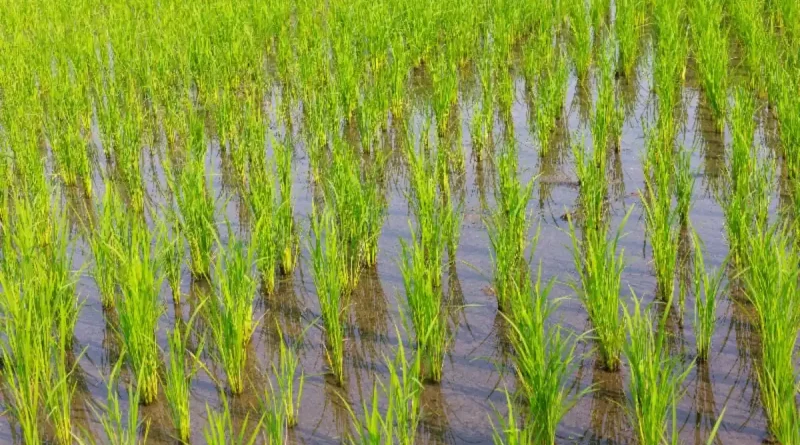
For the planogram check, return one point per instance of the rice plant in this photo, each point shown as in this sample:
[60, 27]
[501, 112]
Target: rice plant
[289, 391]
[401, 392]
[170, 255]
[711, 52]
[359, 209]
[287, 233]
[104, 239]
[424, 301]
[121, 429]
[508, 228]
[630, 21]
[600, 271]
[178, 379]
[329, 271]
[197, 215]
[544, 360]
[707, 286]
[580, 23]
[59, 397]
[656, 379]
[661, 217]
[264, 205]
[511, 431]
[220, 428]
[230, 311]
[139, 309]
[274, 422]
[771, 285]
[551, 90]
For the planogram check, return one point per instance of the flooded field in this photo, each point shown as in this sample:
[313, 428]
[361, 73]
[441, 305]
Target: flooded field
[144, 129]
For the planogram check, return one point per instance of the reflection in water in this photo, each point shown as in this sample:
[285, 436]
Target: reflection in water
[370, 321]
[713, 149]
[704, 404]
[608, 421]
[435, 423]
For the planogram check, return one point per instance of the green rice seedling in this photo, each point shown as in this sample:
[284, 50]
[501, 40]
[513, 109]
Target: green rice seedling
[197, 215]
[661, 218]
[591, 172]
[401, 391]
[483, 119]
[274, 422]
[139, 308]
[543, 360]
[684, 185]
[404, 393]
[656, 378]
[580, 23]
[261, 196]
[170, 256]
[424, 306]
[329, 271]
[711, 52]
[508, 228]
[220, 429]
[600, 271]
[178, 378]
[707, 286]
[788, 112]
[771, 285]
[359, 209]
[438, 221]
[551, 89]
[609, 116]
[119, 429]
[104, 240]
[671, 51]
[289, 383]
[230, 311]
[375, 428]
[287, 239]
[59, 397]
[511, 430]
[628, 27]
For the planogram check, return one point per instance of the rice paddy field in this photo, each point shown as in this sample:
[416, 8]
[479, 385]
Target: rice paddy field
[374, 222]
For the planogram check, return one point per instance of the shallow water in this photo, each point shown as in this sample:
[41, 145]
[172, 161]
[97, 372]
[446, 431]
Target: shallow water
[477, 369]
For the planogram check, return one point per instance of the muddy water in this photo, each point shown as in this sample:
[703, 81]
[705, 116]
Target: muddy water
[477, 369]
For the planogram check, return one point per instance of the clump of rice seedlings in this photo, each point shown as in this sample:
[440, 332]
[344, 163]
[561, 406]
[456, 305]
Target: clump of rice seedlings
[707, 285]
[628, 27]
[119, 429]
[580, 43]
[170, 256]
[359, 209]
[65, 125]
[684, 185]
[483, 118]
[671, 48]
[230, 311]
[598, 264]
[591, 172]
[656, 378]
[290, 378]
[660, 216]
[551, 90]
[746, 202]
[508, 229]
[178, 379]
[59, 397]
[788, 112]
[711, 52]
[401, 391]
[197, 215]
[438, 219]
[220, 429]
[273, 421]
[609, 116]
[287, 233]
[511, 430]
[139, 309]
[543, 360]
[329, 272]
[424, 305]
[771, 285]
[264, 205]
[104, 240]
